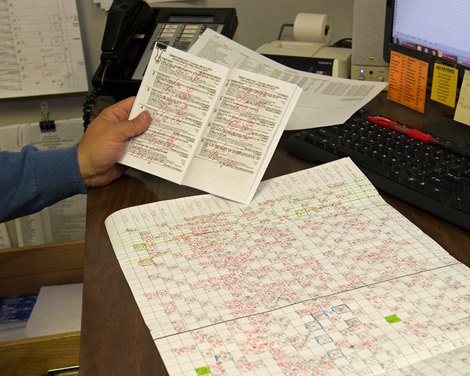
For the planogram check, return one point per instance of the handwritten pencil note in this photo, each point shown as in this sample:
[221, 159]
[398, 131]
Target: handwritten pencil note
[462, 112]
[41, 48]
[213, 128]
[318, 276]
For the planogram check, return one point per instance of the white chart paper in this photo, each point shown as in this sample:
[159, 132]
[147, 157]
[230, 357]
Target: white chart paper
[318, 276]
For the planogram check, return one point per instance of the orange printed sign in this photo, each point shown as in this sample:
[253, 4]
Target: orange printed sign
[407, 81]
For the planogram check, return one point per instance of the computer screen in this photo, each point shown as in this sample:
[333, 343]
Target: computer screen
[434, 31]
[430, 30]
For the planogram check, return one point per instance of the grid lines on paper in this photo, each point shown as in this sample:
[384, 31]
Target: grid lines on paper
[370, 330]
[201, 264]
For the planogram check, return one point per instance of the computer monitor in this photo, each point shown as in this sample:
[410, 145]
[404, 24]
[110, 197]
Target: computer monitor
[434, 31]
[430, 30]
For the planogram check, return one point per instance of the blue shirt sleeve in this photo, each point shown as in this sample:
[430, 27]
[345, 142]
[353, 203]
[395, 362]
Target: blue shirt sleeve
[31, 180]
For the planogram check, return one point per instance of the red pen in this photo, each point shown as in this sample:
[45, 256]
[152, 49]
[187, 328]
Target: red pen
[413, 133]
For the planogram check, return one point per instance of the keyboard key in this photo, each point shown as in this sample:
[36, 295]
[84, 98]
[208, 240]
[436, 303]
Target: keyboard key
[429, 176]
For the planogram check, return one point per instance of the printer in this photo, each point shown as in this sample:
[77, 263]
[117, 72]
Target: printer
[309, 57]
[308, 51]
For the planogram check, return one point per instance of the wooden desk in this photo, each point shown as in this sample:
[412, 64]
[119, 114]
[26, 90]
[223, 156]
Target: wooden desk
[114, 337]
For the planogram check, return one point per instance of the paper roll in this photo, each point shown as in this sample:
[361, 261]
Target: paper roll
[312, 27]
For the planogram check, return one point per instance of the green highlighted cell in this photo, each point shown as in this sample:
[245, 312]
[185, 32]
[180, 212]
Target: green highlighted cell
[301, 212]
[203, 371]
[392, 319]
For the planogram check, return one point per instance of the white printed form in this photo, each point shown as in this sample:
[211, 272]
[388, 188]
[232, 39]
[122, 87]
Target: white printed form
[212, 128]
[324, 101]
[41, 48]
[318, 276]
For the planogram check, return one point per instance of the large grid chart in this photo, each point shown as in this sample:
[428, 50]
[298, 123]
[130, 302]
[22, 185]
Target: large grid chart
[318, 276]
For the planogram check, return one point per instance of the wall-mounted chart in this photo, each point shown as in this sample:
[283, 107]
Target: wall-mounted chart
[41, 48]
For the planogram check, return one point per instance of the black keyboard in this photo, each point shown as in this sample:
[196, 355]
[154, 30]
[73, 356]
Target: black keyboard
[433, 177]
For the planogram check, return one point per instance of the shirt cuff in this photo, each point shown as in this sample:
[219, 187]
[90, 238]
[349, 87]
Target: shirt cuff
[58, 172]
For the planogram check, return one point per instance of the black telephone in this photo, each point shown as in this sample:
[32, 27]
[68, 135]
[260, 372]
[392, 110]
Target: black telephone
[133, 28]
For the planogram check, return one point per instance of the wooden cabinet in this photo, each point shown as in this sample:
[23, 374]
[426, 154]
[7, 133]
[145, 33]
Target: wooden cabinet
[24, 271]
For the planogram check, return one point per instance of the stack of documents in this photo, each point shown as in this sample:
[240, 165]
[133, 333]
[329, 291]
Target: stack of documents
[213, 128]
[58, 310]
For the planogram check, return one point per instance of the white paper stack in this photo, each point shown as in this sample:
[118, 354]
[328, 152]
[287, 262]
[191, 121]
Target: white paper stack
[58, 309]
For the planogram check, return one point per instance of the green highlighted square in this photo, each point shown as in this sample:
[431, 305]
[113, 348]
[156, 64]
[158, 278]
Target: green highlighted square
[203, 371]
[392, 319]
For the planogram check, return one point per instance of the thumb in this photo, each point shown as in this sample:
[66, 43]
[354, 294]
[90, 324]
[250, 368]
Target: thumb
[136, 126]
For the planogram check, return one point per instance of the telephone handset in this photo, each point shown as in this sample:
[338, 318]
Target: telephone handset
[126, 19]
[133, 28]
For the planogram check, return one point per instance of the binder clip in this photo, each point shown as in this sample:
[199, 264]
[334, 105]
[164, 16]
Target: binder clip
[161, 48]
[45, 124]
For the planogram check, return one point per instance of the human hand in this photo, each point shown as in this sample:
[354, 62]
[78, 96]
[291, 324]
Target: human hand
[104, 141]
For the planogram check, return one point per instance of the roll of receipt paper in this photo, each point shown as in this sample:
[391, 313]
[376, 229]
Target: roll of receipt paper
[312, 27]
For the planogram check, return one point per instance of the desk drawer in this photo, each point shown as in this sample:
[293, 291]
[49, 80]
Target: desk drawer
[24, 271]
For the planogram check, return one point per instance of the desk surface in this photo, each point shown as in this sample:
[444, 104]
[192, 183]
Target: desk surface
[114, 337]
